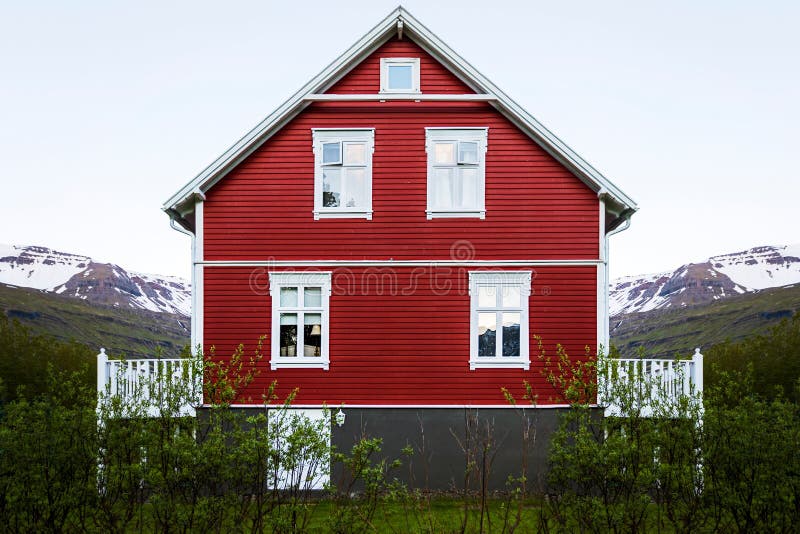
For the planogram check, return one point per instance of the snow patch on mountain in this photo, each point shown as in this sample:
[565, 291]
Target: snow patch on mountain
[718, 278]
[761, 267]
[101, 283]
[38, 267]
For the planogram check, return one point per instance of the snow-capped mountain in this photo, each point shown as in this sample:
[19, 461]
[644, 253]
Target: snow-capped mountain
[718, 277]
[101, 283]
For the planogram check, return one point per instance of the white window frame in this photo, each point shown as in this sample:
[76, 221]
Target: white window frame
[478, 135]
[300, 280]
[412, 62]
[498, 279]
[321, 136]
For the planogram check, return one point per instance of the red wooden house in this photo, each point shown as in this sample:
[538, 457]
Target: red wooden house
[400, 230]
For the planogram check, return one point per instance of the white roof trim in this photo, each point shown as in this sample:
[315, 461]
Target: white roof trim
[383, 31]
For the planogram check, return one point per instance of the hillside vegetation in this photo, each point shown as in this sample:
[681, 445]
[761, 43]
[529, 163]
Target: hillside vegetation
[135, 333]
[666, 333]
[26, 360]
[773, 360]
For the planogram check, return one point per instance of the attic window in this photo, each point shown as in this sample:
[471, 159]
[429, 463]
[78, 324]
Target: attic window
[400, 75]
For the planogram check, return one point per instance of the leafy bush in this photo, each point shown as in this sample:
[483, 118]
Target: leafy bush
[774, 357]
[47, 458]
[24, 358]
[750, 461]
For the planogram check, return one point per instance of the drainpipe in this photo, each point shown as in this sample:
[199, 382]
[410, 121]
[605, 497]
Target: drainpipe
[621, 228]
[193, 326]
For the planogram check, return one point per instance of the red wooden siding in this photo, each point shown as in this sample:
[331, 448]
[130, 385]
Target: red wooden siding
[396, 347]
[535, 209]
[434, 78]
[400, 341]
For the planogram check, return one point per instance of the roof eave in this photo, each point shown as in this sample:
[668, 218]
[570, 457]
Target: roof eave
[516, 113]
[286, 111]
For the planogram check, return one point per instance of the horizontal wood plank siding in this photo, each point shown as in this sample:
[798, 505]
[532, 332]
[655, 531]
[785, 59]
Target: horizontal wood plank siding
[365, 77]
[399, 336]
[535, 209]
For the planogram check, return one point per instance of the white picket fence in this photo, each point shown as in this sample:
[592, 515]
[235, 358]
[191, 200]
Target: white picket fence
[150, 380]
[656, 385]
[653, 381]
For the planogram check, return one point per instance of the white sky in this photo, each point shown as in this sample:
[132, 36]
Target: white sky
[107, 109]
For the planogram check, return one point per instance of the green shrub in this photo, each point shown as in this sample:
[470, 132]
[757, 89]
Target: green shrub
[774, 357]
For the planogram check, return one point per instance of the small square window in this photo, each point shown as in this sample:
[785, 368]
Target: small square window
[400, 75]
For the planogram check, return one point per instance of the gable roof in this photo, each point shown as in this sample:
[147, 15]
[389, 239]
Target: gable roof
[181, 204]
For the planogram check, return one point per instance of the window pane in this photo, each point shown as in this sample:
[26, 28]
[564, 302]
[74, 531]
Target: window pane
[355, 188]
[400, 76]
[312, 335]
[331, 153]
[443, 188]
[355, 154]
[511, 297]
[288, 334]
[288, 318]
[511, 334]
[468, 152]
[289, 296]
[331, 188]
[487, 296]
[468, 189]
[444, 153]
[487, 334]
[312, 297]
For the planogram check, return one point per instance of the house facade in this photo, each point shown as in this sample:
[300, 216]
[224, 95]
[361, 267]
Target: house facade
[401, 235]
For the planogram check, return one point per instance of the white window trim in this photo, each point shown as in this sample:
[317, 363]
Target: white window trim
[342, 135]
[478, 135]
[411, 61]
[299, 280]
[520, 279]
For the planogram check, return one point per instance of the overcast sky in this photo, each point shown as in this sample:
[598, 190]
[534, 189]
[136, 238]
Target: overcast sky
[107, 109]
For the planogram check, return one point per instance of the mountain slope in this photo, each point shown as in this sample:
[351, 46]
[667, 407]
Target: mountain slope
[98, 283]
[702, 283]
[727, 297]
[135, 333]
[667, 332]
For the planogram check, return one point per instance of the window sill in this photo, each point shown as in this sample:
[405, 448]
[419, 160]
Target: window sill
[497, 363]
[399, 92]
[296, 363]
[349, 214]
[475, 214]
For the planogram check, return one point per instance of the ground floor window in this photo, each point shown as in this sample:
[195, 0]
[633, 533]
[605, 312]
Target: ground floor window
[300, 319]
[499, 319]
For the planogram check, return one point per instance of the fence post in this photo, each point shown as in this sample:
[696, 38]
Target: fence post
[102, 368]
[697, 360]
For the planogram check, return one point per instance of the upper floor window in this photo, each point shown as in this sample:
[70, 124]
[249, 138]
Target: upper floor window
[456, 172]
[499, 319]
[400, 75]
[300, 319]
[343, 172]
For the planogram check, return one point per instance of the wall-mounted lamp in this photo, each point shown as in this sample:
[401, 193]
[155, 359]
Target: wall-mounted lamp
[339, 417]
